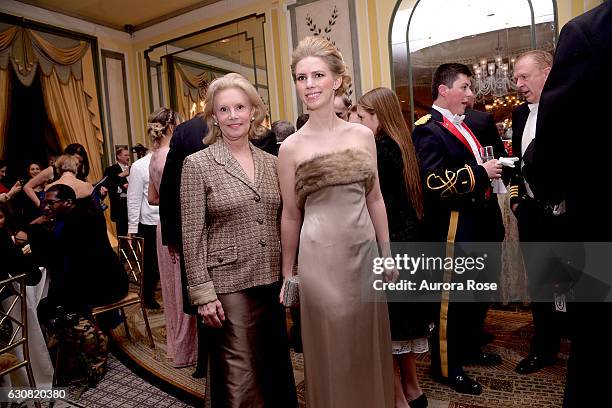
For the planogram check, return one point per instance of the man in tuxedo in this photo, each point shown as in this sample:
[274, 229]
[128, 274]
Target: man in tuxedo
[484, 127]
[566, 169]
[187, 139]
[459, 206]
[117, 184]
[536, 221]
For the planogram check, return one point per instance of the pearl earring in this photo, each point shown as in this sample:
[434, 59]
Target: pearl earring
[253, 118]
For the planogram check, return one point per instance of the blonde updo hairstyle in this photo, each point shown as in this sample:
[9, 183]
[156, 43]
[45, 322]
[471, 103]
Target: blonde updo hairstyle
[66, 163]
[233, 80]
[322, 48]
[160, 122]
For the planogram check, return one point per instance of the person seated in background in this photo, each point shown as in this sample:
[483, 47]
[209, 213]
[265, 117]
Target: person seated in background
[23, 209]
[7, 193]
[15, 257]
[49, 174]
[85, 271]
[3, 169]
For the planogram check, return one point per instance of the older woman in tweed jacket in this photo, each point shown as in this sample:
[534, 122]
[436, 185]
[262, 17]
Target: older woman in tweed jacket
[230, 206]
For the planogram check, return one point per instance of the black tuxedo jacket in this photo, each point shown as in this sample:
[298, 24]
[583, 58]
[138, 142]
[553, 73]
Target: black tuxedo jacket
[186, 140]
[565, 165]
[483, 126]
[114, 183]
[453, 180]
[519, 119]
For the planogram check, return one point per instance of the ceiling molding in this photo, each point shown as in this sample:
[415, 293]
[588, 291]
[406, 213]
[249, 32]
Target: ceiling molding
[135, 28]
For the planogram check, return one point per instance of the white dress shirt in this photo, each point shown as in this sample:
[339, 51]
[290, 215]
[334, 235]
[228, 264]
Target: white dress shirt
[139, 209]
[119, 189]
[529, 135]
[457, 120]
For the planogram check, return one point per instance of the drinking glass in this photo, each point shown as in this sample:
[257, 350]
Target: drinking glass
[486, 153]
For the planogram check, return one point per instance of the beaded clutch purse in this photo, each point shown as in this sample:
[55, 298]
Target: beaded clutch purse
[291, 296]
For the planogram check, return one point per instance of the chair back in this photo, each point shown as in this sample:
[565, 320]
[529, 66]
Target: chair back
[13, 289]
[131, 257]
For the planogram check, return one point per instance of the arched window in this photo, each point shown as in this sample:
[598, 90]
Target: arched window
[486, 35]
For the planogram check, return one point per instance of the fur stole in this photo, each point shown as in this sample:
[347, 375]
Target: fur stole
[332, 169]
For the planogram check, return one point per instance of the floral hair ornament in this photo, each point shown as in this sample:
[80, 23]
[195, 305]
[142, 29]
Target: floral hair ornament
[155, 127]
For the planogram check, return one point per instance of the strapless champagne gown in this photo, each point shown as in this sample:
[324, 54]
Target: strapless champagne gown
[346, 338]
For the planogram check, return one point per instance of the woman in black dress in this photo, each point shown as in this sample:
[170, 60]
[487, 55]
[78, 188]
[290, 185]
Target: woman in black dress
[400, 184]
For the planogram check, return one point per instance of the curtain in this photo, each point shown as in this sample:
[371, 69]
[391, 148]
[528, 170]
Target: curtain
[183, 100]
[190, 89]
[6, 39]
[68, 111]
[63, 56]
[68, 84]
[5, 85]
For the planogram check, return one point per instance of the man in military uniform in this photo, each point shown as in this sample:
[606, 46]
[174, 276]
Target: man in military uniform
[459, 206]
[536, 222]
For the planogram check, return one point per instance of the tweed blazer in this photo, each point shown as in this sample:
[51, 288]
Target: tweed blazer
[231, 226]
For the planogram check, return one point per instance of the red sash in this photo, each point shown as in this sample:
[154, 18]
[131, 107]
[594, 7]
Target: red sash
[453, 129]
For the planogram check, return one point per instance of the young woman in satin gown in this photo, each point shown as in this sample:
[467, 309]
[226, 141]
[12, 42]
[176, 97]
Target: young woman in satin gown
[333, 209]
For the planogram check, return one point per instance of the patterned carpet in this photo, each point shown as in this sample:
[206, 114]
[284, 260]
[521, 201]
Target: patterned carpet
[503, 388]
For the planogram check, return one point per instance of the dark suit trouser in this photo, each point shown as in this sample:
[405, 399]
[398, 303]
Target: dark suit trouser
[151, 268]
[119, 216]
[537, 225]
[465, 318]
[588, 367]
[122, 227]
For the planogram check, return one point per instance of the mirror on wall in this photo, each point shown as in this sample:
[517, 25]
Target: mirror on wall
[486, 35]
[179, 70]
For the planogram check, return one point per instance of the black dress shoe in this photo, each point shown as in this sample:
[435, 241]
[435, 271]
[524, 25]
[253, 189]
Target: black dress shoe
[483, 358]
[420, 402]
[199, 372]
[463, 384]
[533, 363]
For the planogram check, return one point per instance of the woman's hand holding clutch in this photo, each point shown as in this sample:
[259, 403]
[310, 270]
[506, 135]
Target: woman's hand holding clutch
[212, 313]
[290, 292]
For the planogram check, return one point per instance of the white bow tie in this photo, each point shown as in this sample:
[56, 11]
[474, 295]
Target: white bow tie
[458, 119]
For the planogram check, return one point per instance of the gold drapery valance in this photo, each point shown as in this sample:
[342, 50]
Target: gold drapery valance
[197, 84]
[191, 89]
[26, 49]
[68, 84]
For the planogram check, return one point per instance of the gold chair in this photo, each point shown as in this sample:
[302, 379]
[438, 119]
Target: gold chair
[15, 287]
[130, 251]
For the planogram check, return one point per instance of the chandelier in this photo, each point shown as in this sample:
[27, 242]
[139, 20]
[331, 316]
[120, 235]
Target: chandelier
[493, 78]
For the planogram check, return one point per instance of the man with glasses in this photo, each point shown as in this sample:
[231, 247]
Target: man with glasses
[85, 271]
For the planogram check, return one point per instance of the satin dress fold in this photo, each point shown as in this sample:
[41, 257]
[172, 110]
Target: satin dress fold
[346, 337]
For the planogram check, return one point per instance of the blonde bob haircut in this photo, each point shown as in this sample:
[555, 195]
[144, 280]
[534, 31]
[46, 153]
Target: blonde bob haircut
[322, 48]
[233, 80]
[67, 162]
